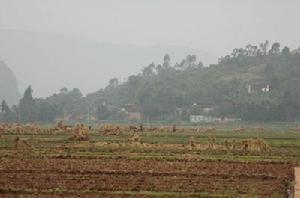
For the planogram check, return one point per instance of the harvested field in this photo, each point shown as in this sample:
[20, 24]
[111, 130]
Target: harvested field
[112, 176]
[148, 164]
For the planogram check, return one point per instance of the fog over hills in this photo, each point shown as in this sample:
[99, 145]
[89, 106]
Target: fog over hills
[49, 62]
[8, 85]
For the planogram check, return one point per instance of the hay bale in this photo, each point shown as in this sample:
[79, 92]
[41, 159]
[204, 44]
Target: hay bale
[135, 138]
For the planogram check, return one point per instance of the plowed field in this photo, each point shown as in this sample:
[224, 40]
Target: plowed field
[141, 178]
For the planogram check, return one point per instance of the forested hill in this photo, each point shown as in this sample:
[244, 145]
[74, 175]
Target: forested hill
[8, 85]
[255, 83]
[159, 90]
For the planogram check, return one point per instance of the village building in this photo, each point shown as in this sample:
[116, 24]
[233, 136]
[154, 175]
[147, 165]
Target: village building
[132, 112]
[258, 87]
[202, 112]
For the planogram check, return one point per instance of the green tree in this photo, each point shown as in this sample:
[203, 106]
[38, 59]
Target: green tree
[114, 82]
[290, 98]
[46, 111]
[149, 70]
[7, 113]
[102, 112]
[167, 60]
[275, 49]
[28, 107]
[264, 47]
[285, 51]
[63, 90]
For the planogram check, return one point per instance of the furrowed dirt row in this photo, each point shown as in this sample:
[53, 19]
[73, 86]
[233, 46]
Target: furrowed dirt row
[133, 176]
[161, 166]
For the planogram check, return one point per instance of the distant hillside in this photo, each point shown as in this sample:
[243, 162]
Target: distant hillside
[8, 85]
[254, 84]
[50, 62]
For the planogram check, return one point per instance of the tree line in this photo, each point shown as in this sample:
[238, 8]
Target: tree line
[168, 91]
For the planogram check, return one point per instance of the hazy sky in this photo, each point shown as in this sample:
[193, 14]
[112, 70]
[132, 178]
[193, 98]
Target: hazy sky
[216, 26]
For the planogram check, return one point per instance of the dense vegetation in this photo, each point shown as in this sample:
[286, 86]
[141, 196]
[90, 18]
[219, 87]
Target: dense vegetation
[159, 90]
[173, 92]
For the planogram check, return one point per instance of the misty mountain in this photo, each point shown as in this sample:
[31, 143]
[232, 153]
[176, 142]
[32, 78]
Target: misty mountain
[49, 62]
[8, 85]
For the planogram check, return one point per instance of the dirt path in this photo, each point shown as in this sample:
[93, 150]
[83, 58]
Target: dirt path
[297, 185]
